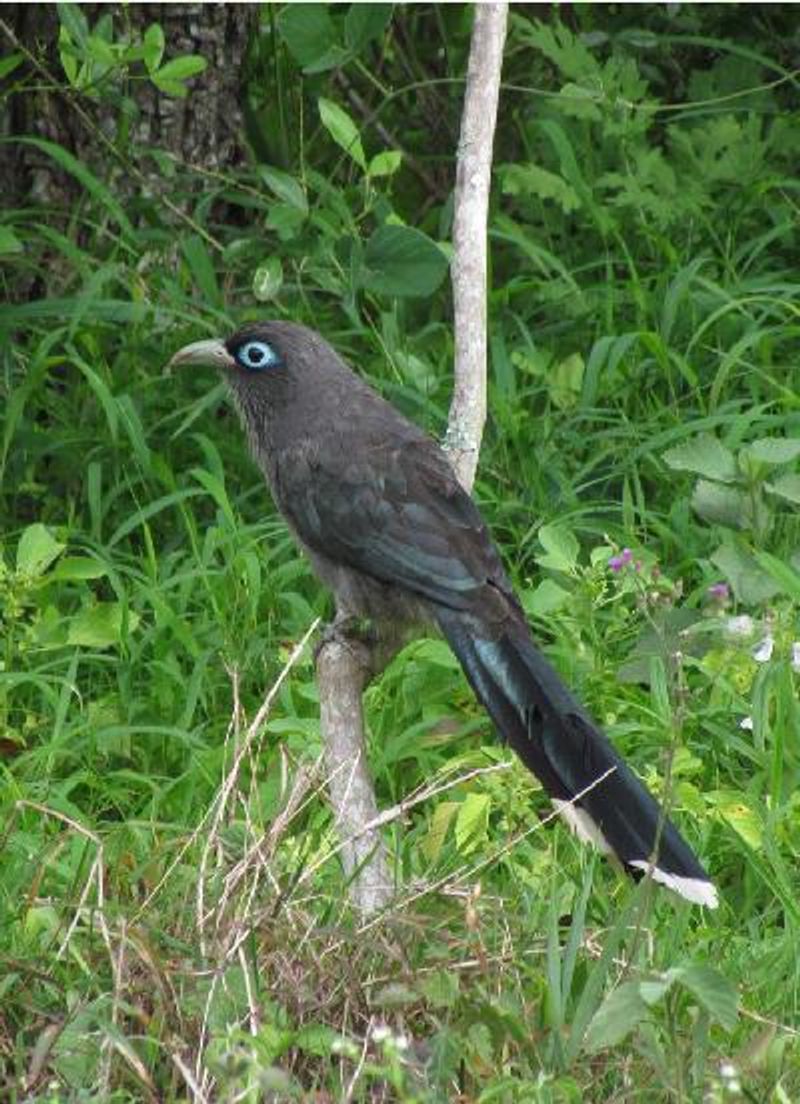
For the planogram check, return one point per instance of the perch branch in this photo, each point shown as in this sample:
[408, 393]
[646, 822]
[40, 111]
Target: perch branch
[473, 181]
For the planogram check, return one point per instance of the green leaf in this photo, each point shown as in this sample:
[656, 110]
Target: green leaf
[285, 187]
[782, 573]
[100, 626]
[36, 550]
[268, 279]
[547, 597]
[530, 180]
[716, 994]
[440, 821]
[170, 78]
[364, 22]
[402, 261]
[704, 455]
[721, 505]
[744, 820]
[78, 568]
[9, 64]
[9, 242]
[472, 822]
[311, 36]
[565, 381]
[154, 44]
[181, 68]
[773, 450]
[751, 584]
[74, 22]
[342, 129]
[579, 102]
[561, 547]
[786, 486]
[317, 1039]
[385, 164]
[202, 269]
[441, 988]
[618, 1015]
[99, 50]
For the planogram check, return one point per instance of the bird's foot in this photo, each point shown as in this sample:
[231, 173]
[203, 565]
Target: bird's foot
[348, 629]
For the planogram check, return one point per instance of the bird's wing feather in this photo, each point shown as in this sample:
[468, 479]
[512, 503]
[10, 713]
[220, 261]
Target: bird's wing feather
[395, 512]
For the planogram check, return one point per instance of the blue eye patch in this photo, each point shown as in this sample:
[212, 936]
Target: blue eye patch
[256, 355]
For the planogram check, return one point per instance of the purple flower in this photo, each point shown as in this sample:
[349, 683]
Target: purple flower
[720, 591]
[616, 563]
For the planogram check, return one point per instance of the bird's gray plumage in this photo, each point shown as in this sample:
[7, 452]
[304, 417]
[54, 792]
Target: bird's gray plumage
[374, 502]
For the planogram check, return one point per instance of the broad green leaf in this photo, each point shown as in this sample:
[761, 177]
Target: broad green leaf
[364, 22]
[74, 22]
[618, 1015]
[561, 547]
[787, 578]
[311, 36]
[74, 568]
[268, 279]
[744, 820]
[786, 486]
[704, 455]
[181, 68]
[721, 505]
[472, 821]
[100, 626]
[773, 450]
[402, 261]
[714, 991]
[440, 821]
[547, 597]
[36, 550]
[751, 584]
[385, 164]
[342, 129]
[9, 242]
[171, 78]
[100, 50]
[284, 186]
[154, 44]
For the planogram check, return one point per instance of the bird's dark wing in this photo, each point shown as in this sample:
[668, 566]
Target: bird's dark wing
[396, 512]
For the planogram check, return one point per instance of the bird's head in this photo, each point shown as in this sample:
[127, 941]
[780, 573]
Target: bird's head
[255, 349]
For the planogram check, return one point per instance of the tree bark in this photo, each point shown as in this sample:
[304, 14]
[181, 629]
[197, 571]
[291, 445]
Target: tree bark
[204, 128]
[343, 668]
[469, 271]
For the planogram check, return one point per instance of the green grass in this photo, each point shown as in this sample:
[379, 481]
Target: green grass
[173, 919]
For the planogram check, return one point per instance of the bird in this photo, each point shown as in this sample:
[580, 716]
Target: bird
[374, 503]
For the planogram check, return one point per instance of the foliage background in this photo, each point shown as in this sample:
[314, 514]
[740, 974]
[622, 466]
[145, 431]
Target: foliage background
[174, 924]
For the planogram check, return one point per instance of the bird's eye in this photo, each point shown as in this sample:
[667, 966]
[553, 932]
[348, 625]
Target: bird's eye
[257, 354]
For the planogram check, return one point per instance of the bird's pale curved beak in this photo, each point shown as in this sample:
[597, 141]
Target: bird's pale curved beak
[202, 354]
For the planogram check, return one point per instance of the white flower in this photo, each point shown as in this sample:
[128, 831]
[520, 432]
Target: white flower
[762, 653]
[740, 626]
[746, 723]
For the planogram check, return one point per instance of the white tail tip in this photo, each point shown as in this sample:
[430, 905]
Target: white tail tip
[696, 890]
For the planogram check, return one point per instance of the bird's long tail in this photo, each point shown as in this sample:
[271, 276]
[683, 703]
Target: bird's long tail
[558, 741]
